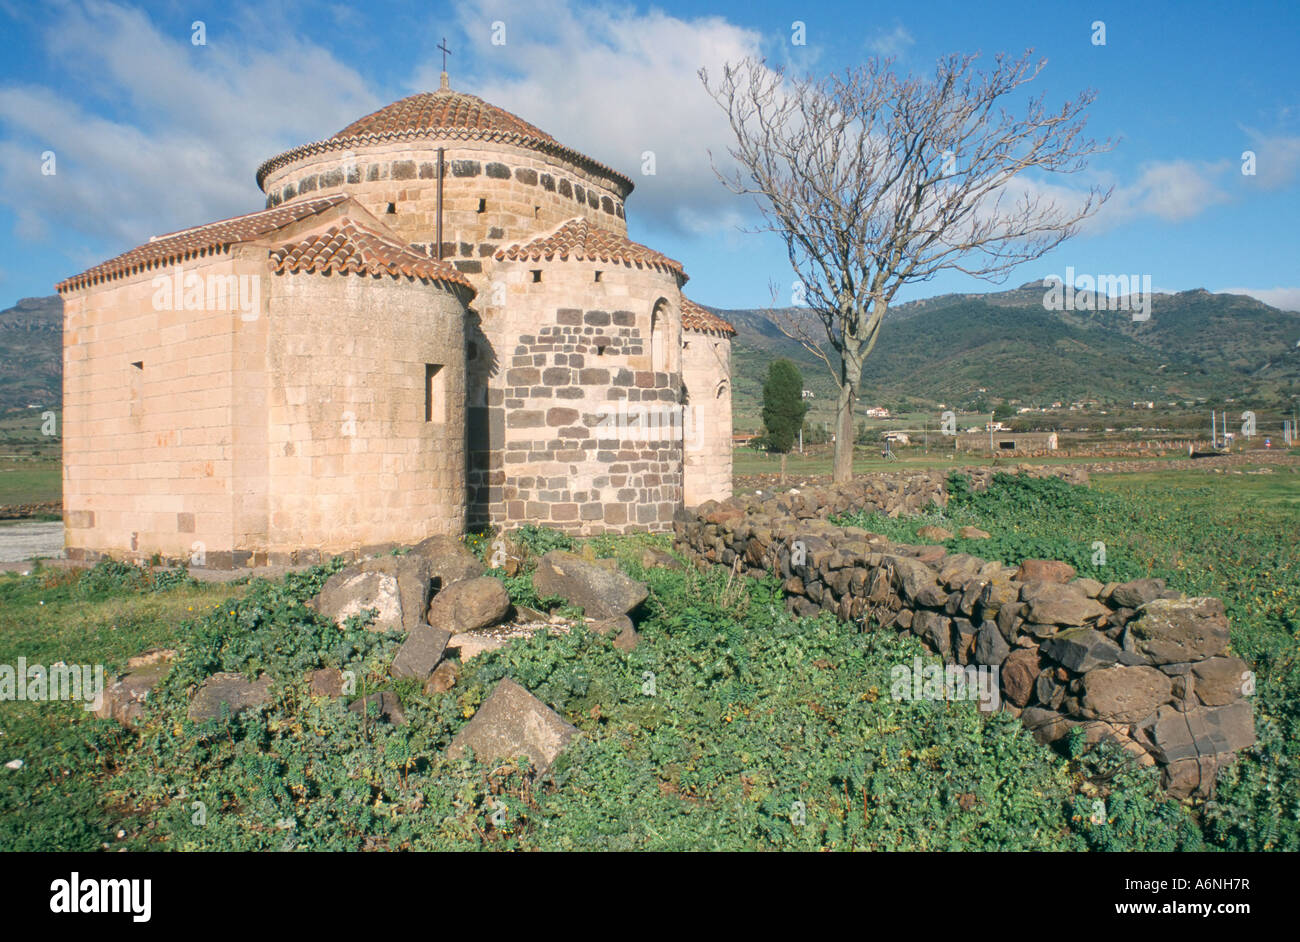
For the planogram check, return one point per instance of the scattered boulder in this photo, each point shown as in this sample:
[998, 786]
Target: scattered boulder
[398, 587]
[512, 722]
[234, 690]
[420, 653]
[469, 605]
[449, 560]
[326, 682]
[443, 678]
[616, 625]
[386, 702]
[1122, 694]
[1171, 630]
[602, 592]
[974, 533]
[1047, 725]
[938, 534]
[654, 558]
[124, 699]
[1045, 570]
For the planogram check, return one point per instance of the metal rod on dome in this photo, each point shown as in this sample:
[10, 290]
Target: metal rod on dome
[439, 232]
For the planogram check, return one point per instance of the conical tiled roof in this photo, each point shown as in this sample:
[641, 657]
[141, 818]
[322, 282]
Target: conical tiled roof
[200, 240]
[444, 109]
[351, 247]
[578, 239]
[445, 114]
[695, 317]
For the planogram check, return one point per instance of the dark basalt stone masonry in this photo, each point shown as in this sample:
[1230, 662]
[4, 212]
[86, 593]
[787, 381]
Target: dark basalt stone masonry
[567, 383]
[1135, 663]
[410, 170]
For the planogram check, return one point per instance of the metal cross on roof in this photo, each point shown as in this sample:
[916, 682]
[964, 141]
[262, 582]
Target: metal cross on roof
[445, 52]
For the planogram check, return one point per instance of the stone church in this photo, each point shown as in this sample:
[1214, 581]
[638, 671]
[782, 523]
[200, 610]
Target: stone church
[437, 322]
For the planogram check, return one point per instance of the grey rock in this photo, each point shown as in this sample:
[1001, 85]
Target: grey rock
[386, 704]
[420, 653]
[124, 699]
[1219, 680]
[234, 690]
[1121, 694]
[602, 592]
[990, 647]
[1173, 630]
[1046, 725]
[512, 722]
[398, 587]
[449, 560]
[1136, 593]
[469, 605]
[1052, 603]
[1081, 649]
[1203, 731]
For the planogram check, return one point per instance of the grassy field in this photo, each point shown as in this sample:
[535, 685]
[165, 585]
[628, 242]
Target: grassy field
[31, 481]
[751, 711]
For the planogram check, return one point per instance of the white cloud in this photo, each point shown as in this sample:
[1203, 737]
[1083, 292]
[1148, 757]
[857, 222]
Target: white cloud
[1277, 159]
[614, 83]
[188, 127]
[1286, 299]
[891, 43]
[1172, 190]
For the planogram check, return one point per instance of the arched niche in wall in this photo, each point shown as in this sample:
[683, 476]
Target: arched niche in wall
[660, 323]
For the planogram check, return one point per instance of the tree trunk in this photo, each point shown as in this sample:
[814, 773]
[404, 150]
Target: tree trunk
[850, 377]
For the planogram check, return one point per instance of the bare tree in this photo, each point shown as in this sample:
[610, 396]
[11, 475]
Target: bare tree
[875, 180]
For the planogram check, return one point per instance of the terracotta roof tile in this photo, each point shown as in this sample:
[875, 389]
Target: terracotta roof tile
[353, 248]
[444, 115]
[199, 241]
[578, 239]
[430, 111]
[695, 317]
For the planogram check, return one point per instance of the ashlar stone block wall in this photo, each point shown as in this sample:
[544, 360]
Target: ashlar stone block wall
[366, 412]
[155, 428]
[570, 425]
[706, 378]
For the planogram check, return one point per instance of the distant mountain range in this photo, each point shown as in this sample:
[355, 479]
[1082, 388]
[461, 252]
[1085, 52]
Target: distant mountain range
[962, 350]
[969, 350]
[31, 354]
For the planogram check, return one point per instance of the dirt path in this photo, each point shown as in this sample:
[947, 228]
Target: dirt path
[23, 540]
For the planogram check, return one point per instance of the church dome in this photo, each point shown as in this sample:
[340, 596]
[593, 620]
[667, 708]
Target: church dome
[442, 110]
[445, 116]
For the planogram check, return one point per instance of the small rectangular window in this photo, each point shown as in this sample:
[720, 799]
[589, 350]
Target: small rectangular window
[482, 206]
[598, 276]
[435, 398]
[537, 274]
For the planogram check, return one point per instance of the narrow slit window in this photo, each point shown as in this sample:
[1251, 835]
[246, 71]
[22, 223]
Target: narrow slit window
[537, 274]
[435, 399]
[598, 276]
[482, 205]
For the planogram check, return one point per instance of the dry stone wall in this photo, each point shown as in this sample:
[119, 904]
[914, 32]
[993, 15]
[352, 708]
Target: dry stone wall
[1136, 663]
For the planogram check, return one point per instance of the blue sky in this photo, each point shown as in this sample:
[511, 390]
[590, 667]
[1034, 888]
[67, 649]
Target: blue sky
[152, 133]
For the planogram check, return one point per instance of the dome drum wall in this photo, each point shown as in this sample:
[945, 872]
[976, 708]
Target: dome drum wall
[493, 193]
[570, 424]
